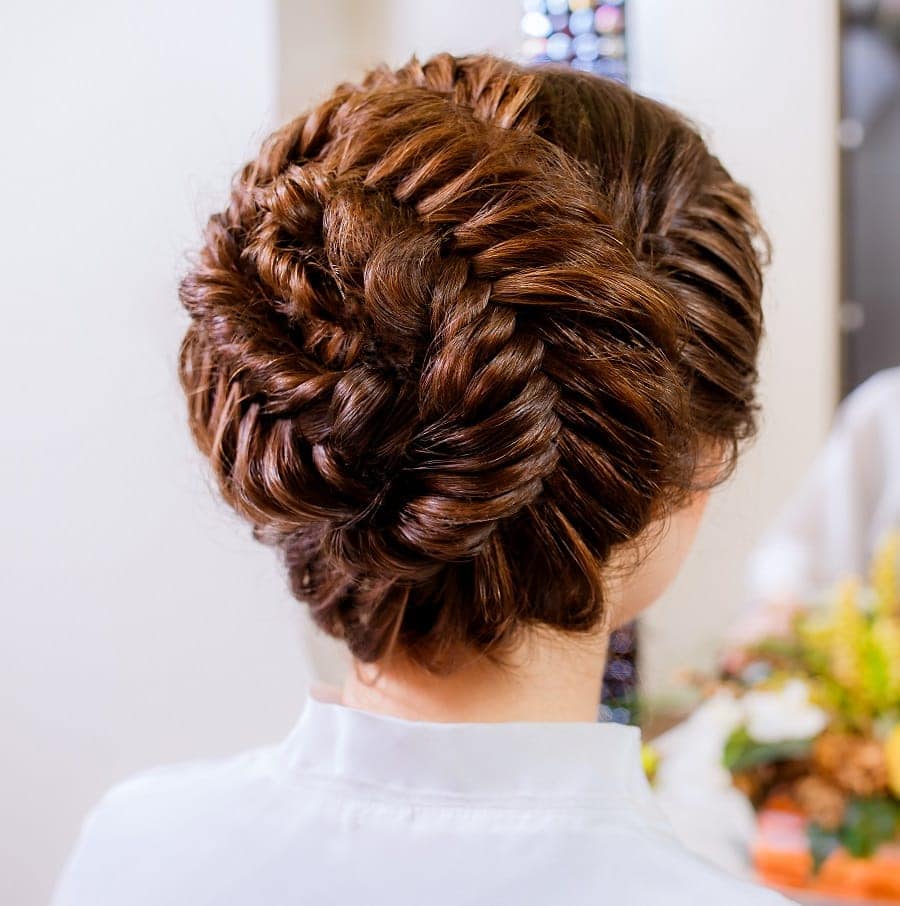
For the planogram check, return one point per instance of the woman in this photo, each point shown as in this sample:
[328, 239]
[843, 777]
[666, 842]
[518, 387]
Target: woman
[469, 346]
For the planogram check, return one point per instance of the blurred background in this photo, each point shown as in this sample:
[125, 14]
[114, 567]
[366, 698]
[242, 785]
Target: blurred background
[141, 624]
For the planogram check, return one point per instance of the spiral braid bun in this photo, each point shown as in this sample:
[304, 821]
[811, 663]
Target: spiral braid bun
[449, 346]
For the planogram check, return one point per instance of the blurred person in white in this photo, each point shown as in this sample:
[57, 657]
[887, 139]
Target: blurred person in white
[469, 346]
[833, 523]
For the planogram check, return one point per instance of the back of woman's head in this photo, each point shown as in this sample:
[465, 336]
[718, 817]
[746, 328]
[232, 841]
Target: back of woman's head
[463, 330]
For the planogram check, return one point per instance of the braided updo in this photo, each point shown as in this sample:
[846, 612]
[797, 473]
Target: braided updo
[463, 329]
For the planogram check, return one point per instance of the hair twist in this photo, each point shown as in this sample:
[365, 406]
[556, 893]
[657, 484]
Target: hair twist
[455, 337]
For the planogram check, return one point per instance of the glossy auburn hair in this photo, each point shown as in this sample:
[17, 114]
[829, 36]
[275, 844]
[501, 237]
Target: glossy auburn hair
[463, 329]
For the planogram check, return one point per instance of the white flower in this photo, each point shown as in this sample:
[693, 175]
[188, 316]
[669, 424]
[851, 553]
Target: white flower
[783, 714]
[691, 752]
[694, 789]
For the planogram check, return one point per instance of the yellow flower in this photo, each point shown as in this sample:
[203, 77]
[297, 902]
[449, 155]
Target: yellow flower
[885, 576]
[892, 755]
[649, 760]
[885, 659]
[848, 636]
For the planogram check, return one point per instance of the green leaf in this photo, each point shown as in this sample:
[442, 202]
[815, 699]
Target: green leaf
[743, 752]
[735, 746]
[822, 843]
[868, 823]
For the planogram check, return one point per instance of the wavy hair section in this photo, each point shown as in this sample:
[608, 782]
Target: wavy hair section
[460, 332]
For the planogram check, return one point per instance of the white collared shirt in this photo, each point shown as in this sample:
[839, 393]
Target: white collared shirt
[357, 808]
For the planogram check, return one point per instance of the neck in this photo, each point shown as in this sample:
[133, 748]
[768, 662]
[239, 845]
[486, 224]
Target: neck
[550, 677]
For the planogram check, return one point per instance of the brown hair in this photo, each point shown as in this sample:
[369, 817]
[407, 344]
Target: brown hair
[463, 329]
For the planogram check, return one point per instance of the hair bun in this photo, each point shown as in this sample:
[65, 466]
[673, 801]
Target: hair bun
[423, 362]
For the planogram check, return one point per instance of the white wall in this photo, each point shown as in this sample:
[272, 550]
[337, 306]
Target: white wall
[352, 35]
[140, 624]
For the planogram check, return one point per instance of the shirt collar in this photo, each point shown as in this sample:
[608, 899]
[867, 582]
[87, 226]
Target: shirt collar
[556, 762]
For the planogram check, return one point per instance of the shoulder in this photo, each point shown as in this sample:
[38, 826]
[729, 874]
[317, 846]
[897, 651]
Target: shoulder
[679, 875]
[152, 801]
[717, 885]
[168, 816]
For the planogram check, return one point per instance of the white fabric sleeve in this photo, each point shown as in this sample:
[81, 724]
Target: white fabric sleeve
[831, 525]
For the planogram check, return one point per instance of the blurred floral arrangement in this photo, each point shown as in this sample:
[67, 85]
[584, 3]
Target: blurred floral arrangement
[815, 743]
